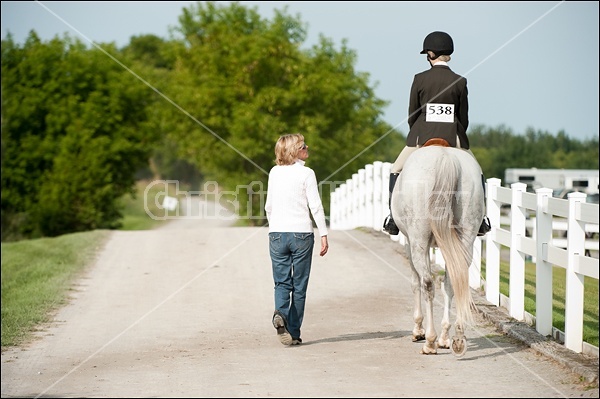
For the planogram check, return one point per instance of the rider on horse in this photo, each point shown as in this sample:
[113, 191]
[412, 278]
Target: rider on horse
[438, 109]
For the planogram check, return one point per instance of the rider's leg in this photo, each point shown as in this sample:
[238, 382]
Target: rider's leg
[389, 226]
[485, 223]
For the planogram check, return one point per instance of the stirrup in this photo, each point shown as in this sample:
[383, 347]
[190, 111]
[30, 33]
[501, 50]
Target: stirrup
[389, 226]
[485, 227]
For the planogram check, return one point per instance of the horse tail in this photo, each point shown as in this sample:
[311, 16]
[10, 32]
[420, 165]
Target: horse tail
[448, 233]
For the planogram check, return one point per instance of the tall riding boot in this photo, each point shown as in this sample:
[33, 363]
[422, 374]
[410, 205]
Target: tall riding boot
[389, 226]
[485, 224]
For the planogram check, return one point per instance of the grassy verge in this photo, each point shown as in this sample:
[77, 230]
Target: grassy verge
[590, 314]
[37, 275]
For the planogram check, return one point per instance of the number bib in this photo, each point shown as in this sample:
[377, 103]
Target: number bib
[440, 113]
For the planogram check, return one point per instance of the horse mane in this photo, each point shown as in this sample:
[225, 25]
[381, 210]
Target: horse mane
[449, 233]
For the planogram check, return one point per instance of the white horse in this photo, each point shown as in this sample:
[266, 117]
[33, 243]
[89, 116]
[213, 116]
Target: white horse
[438, 201]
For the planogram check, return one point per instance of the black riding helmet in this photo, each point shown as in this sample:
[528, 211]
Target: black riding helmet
[439, 42]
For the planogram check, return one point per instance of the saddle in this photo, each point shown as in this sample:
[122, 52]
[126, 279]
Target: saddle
[437, 141]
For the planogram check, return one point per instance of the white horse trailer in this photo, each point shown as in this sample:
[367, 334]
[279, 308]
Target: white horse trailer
[584, 180]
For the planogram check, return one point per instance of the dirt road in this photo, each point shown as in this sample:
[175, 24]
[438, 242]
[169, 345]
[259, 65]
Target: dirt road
[185, 311]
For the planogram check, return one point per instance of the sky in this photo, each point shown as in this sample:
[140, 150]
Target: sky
[529, 65]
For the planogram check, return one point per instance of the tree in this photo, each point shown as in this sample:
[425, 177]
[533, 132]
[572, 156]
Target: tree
[243, 81]
[499, 148]
[71, 136]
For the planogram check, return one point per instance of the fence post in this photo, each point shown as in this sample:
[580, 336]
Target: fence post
[349, 204]
[377, 208]
[362, 197]
[543, 269]
[475, 267]
[574, 280]
[333, 210]
[355, 200]
[344, 201]
[385, 191]
[492, 248]
[369, 195]
[516, 289]
[438, 258]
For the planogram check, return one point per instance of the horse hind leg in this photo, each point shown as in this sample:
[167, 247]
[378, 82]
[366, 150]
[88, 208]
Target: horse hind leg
[458, 345]
[418, 332]
[430, 345]
[444, 340]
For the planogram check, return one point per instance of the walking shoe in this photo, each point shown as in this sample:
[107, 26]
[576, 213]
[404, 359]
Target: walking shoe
[282, 332]
[296, 341]
[485, 227]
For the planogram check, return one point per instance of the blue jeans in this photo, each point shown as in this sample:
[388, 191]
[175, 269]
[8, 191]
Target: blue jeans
[291, 259]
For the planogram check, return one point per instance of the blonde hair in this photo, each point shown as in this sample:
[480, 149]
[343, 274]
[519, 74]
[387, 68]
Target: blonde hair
[444, 57]
[287, 148]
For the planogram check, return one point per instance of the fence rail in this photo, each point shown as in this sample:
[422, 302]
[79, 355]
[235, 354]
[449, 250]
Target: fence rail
[363, 202]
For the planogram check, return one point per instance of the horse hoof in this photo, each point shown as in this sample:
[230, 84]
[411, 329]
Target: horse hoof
[459, 346]
[425, 350]
[444, 345]
[417, 338]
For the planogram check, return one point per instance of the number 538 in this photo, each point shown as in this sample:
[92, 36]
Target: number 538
[440, 113]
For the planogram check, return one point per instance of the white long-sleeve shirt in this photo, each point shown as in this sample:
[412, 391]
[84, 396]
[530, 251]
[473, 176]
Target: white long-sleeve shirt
[292, 191]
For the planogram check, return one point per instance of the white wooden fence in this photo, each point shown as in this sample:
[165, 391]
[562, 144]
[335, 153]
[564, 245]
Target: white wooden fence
[363, 202]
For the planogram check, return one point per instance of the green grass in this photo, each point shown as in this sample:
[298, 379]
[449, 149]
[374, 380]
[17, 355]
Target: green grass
[37, 276]
[590, 313]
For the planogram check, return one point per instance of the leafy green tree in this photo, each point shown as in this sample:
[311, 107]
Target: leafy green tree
[243, 81]
[498, 149]
[154, 59]
[71, 136]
